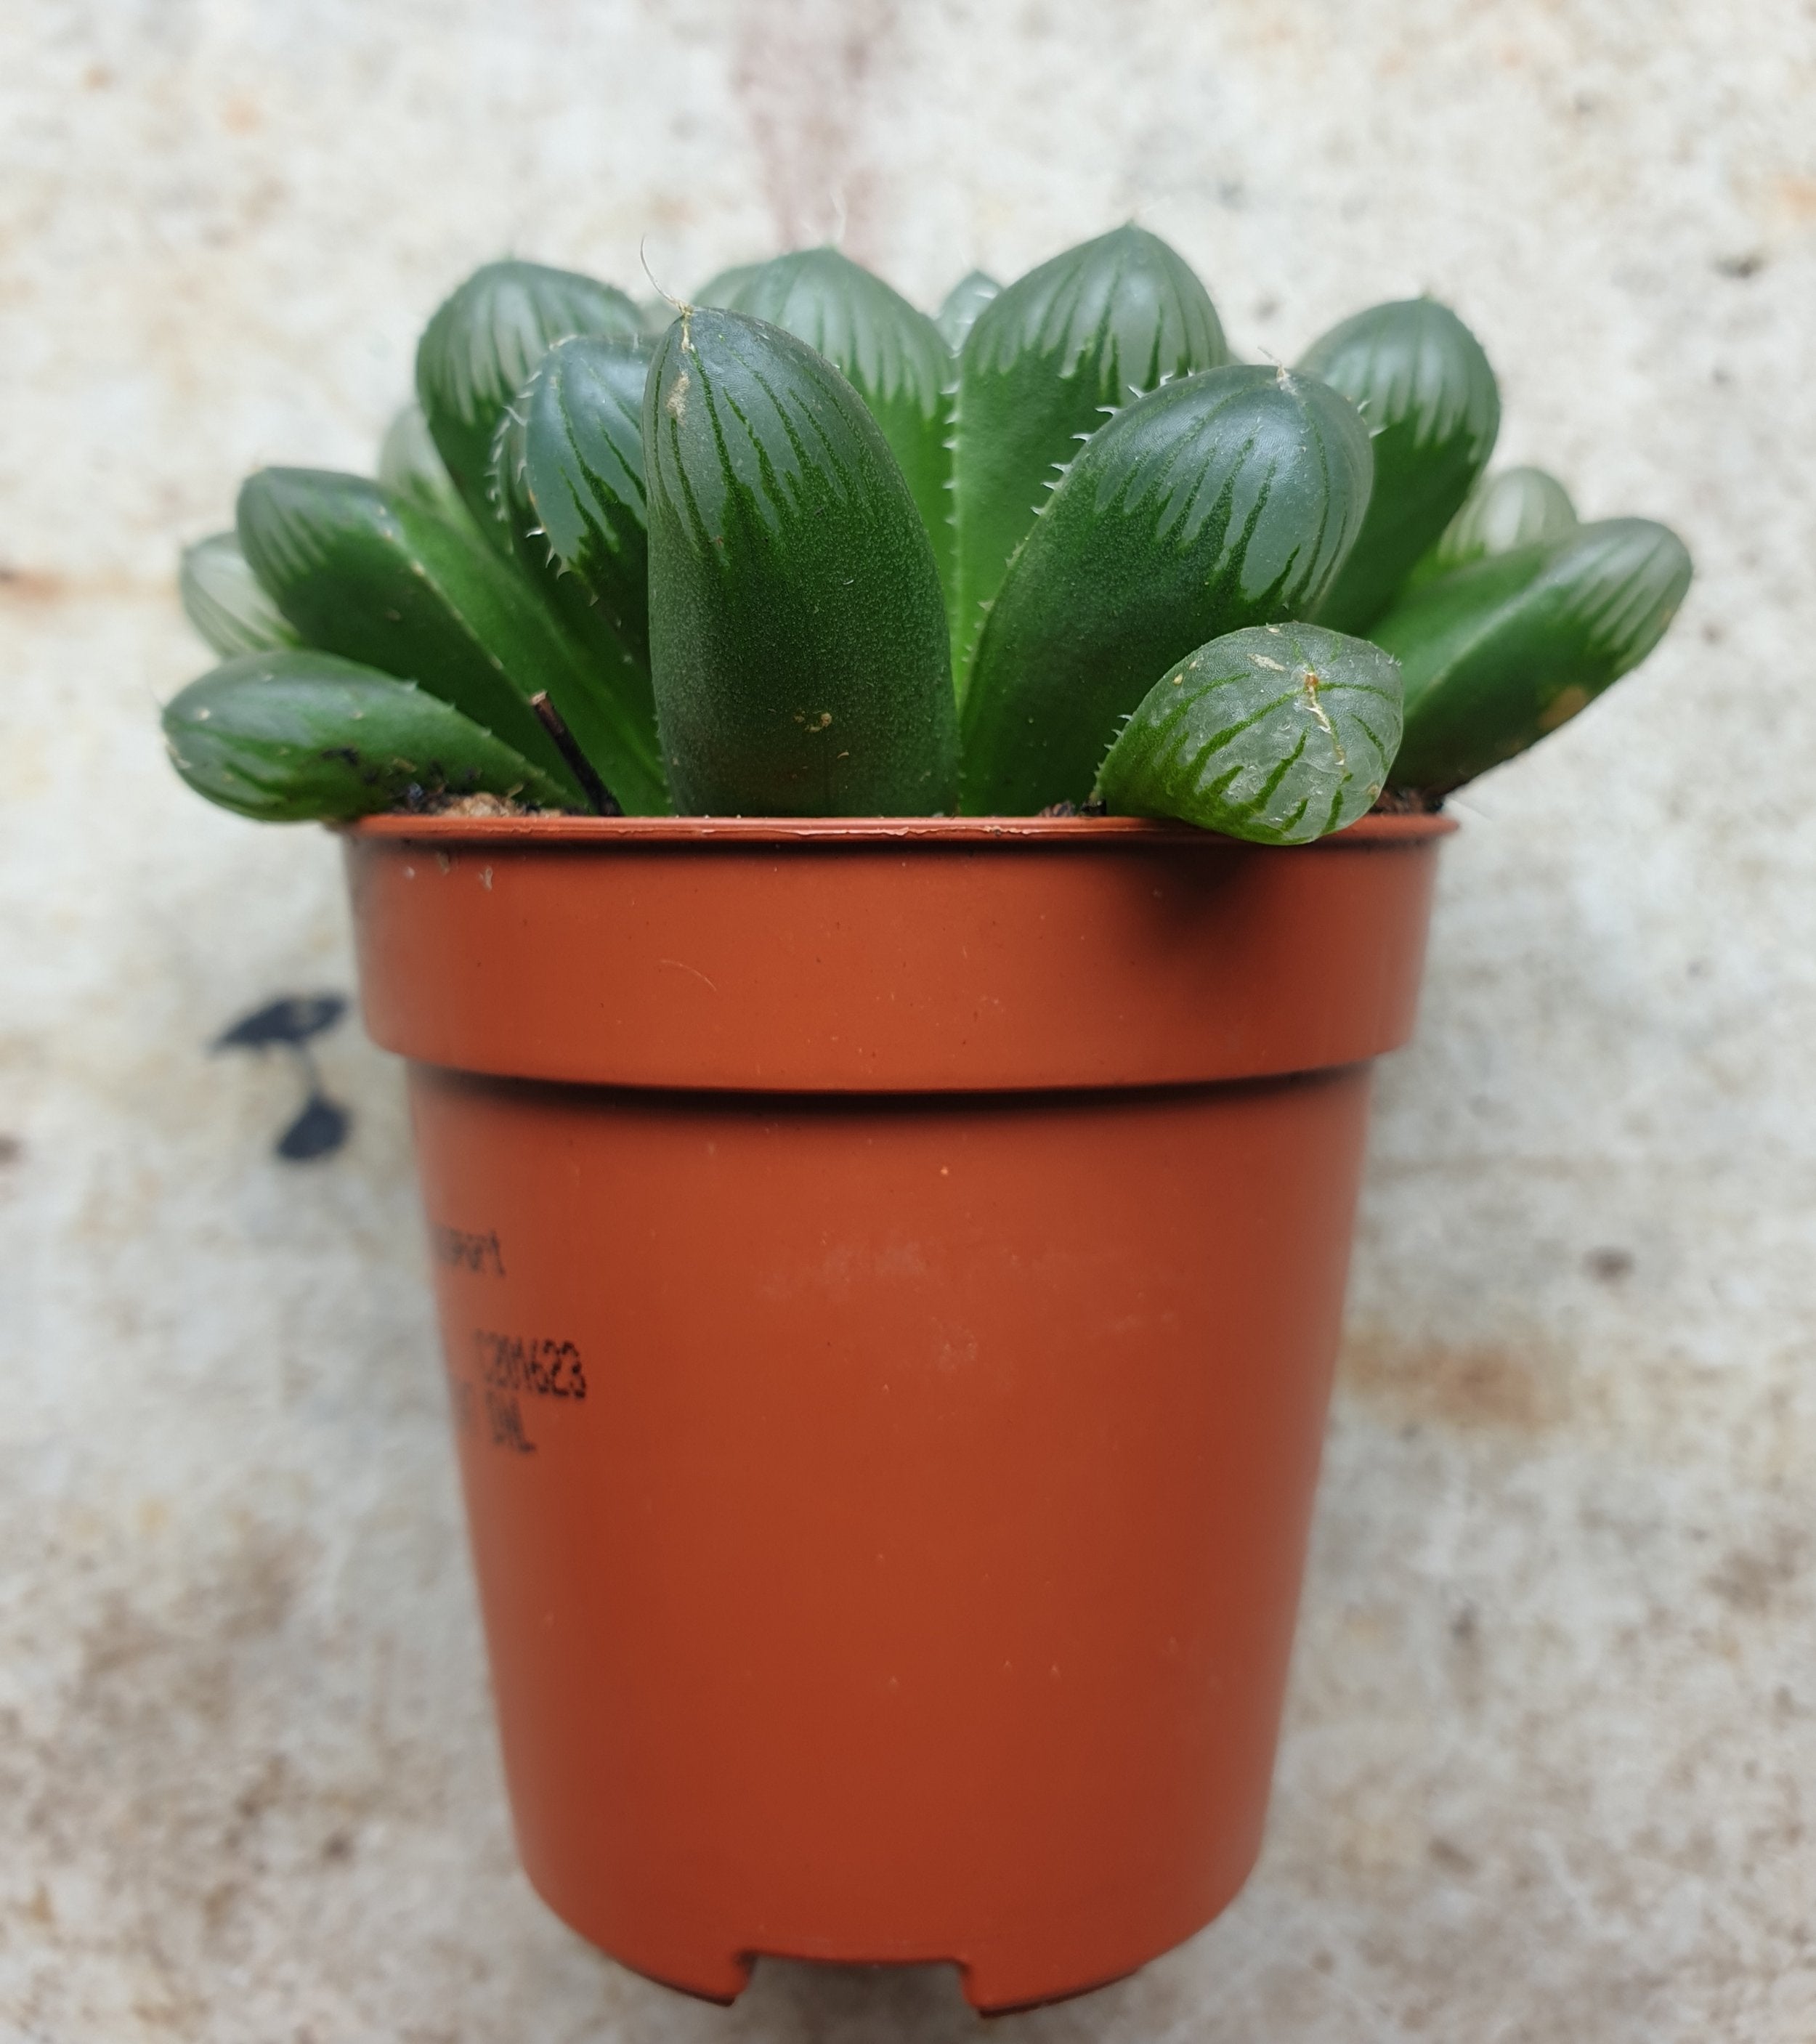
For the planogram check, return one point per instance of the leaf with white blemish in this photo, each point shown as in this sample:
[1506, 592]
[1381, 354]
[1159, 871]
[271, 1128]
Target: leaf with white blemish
[1278, 734]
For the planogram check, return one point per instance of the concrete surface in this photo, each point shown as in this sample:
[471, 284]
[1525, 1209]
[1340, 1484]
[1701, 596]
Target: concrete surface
[1551, 1749]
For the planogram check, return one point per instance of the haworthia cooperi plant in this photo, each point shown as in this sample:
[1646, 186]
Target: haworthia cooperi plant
[801, 549]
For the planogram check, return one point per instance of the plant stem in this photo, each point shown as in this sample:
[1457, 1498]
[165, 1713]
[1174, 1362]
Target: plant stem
[597, 794]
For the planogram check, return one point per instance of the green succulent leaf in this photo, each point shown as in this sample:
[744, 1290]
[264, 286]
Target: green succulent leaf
[410, 467]
[1279, 734]
[959, 310]
[1497, 654]
[477, 352]
[367, 575]
[568, 474]
[892, 355]
[1222, 500]
[1045, 362]
[1514, 508]
[1423, 386]
[222, 599]
[289, 735]
[797, 637]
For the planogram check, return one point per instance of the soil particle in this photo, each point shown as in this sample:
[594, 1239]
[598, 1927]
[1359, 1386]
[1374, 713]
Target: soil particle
[470, 806]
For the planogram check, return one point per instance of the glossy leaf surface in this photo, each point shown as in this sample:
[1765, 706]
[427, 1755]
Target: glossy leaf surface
[410, 467]
[892, 355]
[1429, 397]
[959, 308]
[568, 474]
[366, 575]
[289, 735]
[797, 636]
[222, 598]
[1500, 652]
[1224, 500]
[1043, 364]
[1278, 734]
[1516, 507]
[477, 352]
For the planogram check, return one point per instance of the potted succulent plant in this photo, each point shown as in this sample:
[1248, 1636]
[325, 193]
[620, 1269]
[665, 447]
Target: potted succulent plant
[889, 843]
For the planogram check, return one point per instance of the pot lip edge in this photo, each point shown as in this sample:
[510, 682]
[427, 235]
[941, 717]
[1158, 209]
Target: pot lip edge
[1078, 832]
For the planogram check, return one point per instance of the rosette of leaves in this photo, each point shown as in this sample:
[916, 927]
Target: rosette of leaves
[740, 566]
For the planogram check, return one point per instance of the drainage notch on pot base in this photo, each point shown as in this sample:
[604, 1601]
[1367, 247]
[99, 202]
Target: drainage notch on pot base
[889, 1482]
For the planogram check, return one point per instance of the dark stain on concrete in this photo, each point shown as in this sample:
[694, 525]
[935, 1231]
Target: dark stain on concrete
[1750, 1580]
[1475, 1384]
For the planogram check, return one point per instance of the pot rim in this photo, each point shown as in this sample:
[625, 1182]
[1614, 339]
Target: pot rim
[1076, 831]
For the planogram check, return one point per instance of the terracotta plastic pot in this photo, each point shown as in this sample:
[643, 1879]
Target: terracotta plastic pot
[890, 1275]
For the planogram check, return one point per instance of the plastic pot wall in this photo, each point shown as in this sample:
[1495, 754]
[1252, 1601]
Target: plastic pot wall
[890, 1276]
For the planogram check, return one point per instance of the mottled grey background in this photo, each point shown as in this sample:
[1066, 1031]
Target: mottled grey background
[1551, 1746]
